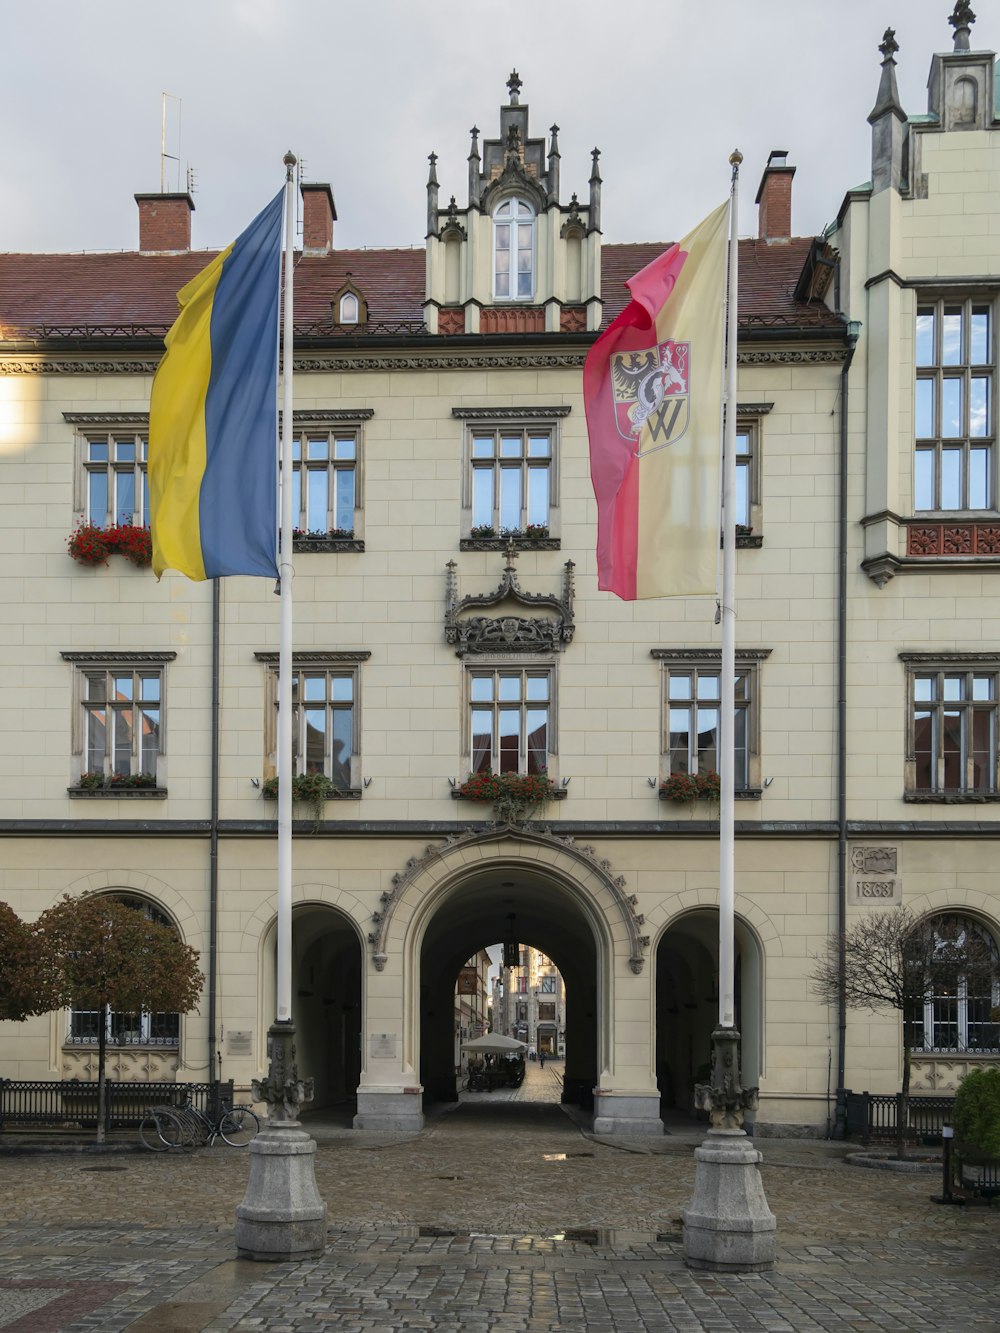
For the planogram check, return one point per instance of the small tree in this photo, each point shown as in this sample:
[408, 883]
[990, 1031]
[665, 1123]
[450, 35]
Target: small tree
[28, 980]
[896, 960]
[111, 956]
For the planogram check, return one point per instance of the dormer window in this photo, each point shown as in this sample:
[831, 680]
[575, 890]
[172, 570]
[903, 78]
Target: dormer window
[348, 308]
[513, 251]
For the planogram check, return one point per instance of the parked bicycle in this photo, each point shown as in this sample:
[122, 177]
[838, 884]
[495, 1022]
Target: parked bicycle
[185, 1126]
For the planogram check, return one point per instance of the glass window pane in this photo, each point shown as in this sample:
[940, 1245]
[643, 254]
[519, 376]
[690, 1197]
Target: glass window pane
[742, 443]
[314, 687]
[95, 741]
[296, 449]
[953, 687]
[925, 410]
[96, 687]
[536, 687]
[315, 740]
[951, 479]
[317, 482]
[145, 499]
[97, 498]
[923, 479]
[951, 408]
[124, 497]
[125, 451]
[708, 740]
[510, 497]
[980, 353]
[511, 446]
[743, 492]
[509, 736]
[951, 336]
[951, 749]
[97, 451]
[481, 688]
[982, 687]
[149, 687]
[680, 685]
[925, 337]
[149, 739]
[740, 748]
[537, 727]
[343, 744]
[482, 739]
[925, 688]
[980, 482]
[510, 686]
[317, 447]
[346, 447]
[538, 495]
[123, 687]
[708, 686]
[982, 749]
[297, 498]
[482, 497]
[483, 446]
[923, 751]
[979, 405]
[741, 685]
[343, 507]
[342, 689]
[539, 446]
[121, 741]
[680, 723]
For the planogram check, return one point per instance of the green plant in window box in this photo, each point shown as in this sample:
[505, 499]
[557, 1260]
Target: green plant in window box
[318, 535]
[515, 797]
[483, 530]
[536, 532]
[91, 780]
[687, 787]
[312, 789]
[130, 781]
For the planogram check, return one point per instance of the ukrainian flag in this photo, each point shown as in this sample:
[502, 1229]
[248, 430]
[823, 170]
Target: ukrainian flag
[213, 415]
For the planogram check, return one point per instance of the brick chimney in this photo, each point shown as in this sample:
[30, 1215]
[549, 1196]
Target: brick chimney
[319, 213]
[774, 197]
[164, 221]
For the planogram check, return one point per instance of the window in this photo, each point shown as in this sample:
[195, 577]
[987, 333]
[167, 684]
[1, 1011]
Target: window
[521, 988]
[114, 468]
[127, 1029]
[510, 719]
[958, 1018]
[325, 715]
[119, 731]
[955, 358]
[349, 308]
[325, 481]
[511, 479]
[513, 251]
[692, 708]
[952, 725]
[746, 473]
[546, 1013]
[548, 985]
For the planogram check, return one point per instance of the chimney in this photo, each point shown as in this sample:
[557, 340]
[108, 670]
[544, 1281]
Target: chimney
[774, 197]
[319, 213]
[164, 221]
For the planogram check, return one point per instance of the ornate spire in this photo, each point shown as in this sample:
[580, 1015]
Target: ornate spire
[553, 173]
[962, 19]
[475, 179]
[888, 94]
[514, 87]
[432, 196]
[594, 218]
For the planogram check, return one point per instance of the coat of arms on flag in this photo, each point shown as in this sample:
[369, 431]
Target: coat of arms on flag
[652, 389]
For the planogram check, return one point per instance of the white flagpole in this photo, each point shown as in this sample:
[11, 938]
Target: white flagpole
[727, 691]
[283, 1009]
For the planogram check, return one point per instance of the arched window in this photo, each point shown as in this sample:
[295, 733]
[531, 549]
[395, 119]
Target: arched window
[957, 1016]
[128, 1029]
[348, 308]
[513, 251]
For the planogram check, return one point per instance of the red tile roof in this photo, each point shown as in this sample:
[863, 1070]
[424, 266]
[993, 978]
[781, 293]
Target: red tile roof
[135, 292]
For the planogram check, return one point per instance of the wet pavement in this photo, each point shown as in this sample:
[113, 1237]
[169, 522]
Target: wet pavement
[503, 1214]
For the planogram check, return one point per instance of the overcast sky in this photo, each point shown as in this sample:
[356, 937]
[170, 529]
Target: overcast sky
[364, 91]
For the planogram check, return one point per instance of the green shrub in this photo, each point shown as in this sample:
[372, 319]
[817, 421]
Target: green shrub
[976, 1115]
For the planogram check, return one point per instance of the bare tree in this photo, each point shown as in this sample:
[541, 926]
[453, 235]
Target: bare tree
[111, 957]
[896, 960]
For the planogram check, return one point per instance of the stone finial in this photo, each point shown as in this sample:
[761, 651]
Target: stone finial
[432, 176]
[554, 147]
[888, 45]
[432, 196]
[962, 19]
[594, 212]
[474, 150]
[514, 87]
[554, 156]
[475, 177]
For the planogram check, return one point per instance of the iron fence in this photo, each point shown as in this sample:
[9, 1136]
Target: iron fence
[73, 1102]
[874, 1117]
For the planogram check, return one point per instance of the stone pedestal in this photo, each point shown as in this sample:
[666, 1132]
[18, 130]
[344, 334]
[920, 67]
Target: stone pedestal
[728, 1226]
[633, 1115]
[282, 1216]
[400, 1109]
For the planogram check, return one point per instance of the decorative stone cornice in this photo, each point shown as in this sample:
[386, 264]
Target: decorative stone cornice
[106, 418]
[535, 840]
[317, 656]
[946, 658]
[477, 633]
[708, 654]
[493, 360]
[123, 657]
[510, 413]
[800, 356]
[54, 365]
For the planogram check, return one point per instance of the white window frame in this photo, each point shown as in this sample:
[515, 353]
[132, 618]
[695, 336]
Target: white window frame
[345, 665]
[697, 662]
[524, 424]
[526, 666]
[139, 665]
[521, 213]
[110, 431]
[342, 459]
[932, 449]
[934, 677]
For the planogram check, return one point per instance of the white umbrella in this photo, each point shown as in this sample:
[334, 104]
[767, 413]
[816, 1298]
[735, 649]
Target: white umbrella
[496, 1044]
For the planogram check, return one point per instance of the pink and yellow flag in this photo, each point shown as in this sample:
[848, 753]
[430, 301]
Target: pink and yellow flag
[652, 387]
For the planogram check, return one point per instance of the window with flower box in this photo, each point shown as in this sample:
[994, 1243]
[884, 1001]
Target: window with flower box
[118, 740]
[326, 732]
[691, 710]
[112, 454]
[327, 480]
[511, 475]
[952, 724]
[510, 712]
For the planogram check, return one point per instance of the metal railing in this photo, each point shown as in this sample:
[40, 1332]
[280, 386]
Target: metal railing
[71, 1103]
[874, 1117]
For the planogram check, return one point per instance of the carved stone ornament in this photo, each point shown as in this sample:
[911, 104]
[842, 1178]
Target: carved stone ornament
[725, 1099]
[508, 632]
[282, 1090]
[532, 839]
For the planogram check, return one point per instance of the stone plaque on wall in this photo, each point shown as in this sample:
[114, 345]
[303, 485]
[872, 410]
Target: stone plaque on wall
[873, 877]
[238, 1043]
[382, 1046]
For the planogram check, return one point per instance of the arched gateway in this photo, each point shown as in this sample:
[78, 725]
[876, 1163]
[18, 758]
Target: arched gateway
[457, 897]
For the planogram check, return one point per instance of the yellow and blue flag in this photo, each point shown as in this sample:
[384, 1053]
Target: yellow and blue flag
[213, 415]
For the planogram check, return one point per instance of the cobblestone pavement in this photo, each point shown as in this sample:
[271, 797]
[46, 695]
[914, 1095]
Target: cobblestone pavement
[502, 1215]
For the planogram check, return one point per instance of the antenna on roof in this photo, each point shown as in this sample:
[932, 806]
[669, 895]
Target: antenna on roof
[166, 157]
[192, 180]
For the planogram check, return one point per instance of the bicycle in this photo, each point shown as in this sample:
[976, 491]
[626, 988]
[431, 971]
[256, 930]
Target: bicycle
[184, 1126]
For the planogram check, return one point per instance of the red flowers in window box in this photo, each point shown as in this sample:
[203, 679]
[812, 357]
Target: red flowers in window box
[514, 796]
[91, 545]
[687, 787]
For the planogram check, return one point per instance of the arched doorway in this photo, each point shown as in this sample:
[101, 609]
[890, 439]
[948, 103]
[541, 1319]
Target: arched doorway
[687, 1006]
[481, 911]
[326, 1001]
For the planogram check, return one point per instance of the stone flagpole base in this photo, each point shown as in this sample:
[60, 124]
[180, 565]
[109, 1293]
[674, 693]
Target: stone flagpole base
[282, 1216]
[728, 1226]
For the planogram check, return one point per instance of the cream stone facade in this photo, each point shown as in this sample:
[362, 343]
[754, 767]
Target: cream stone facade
[431, 640]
